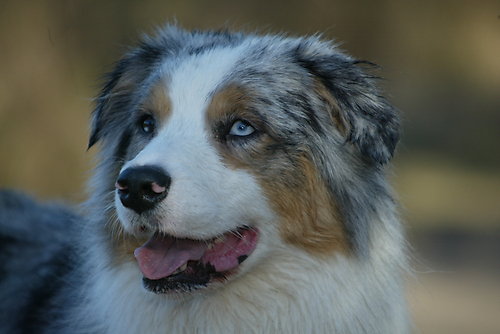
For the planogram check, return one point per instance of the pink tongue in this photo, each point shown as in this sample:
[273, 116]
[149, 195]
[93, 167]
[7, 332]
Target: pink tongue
[161, 256]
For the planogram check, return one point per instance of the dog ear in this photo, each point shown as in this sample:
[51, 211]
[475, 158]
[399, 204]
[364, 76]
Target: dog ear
[111, 96]
[117, 96]
[365, 118]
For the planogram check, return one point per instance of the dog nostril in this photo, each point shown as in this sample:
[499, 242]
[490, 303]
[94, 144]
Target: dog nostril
[141, 188]
[120, 186]
[152, 190]
[157, 188]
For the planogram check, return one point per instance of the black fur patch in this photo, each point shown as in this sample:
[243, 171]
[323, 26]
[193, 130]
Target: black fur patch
[123, 145]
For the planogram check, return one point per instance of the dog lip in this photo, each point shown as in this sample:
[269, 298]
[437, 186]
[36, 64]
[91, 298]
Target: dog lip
[231, 249]
[163, 256]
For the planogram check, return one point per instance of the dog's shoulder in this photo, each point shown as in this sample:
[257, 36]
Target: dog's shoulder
[35, 248]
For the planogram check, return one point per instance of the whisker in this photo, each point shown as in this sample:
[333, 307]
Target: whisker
[237, 234]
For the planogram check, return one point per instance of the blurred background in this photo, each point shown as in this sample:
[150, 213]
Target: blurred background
[441, 60]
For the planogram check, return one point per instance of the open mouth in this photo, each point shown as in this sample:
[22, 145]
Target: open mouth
[170, 264]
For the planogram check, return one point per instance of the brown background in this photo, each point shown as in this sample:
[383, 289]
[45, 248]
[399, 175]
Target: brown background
[442, 62]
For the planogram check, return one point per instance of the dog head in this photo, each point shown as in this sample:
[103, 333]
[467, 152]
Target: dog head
[224, 148]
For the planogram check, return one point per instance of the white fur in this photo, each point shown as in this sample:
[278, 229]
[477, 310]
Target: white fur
[303, 294]
[206, 198]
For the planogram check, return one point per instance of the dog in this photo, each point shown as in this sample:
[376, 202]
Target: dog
[241, 188]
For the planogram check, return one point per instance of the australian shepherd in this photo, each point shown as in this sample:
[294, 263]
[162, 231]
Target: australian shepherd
[241, 188]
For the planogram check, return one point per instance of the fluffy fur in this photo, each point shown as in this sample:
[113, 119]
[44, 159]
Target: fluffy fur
[276, 146]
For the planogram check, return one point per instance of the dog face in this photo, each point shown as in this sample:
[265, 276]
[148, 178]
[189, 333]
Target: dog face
[225, 148]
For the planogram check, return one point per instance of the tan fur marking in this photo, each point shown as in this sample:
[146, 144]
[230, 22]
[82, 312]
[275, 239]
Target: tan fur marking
[309, 218]
[226, 101]
[158, 101]
[232, 103]
[333, 108]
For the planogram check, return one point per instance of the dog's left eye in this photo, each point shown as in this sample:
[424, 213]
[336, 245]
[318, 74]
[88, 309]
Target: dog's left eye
[148, 124]
[241, 129]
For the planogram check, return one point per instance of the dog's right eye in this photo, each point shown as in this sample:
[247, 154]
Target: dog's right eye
[241, 129]
[147, 124]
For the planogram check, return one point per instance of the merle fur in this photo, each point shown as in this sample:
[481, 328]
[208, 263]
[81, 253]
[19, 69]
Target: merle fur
[36, 254]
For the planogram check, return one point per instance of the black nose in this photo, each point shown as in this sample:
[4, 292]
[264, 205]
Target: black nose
[141, 188]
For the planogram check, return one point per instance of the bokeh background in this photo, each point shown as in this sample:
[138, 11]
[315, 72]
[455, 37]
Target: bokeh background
[441, 60]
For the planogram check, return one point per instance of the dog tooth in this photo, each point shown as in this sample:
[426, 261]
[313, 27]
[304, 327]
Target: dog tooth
[210, 245]
[183, 267]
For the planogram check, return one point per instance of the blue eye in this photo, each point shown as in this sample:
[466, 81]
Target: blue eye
[241, 129]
